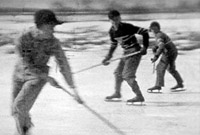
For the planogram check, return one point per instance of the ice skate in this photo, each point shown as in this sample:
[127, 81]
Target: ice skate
[155, 89]
[178, 87]
[137, 99]
[115, 97]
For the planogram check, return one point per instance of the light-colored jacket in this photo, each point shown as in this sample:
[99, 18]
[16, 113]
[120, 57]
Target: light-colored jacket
[35, 49]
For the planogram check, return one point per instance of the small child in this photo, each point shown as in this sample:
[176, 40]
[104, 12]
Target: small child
[169, 54]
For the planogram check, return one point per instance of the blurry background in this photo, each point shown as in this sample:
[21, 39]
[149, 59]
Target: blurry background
[133, 6]
[175, 16]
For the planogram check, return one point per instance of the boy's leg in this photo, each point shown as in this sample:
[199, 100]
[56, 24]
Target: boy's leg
[23, 103]
[118, 81]
[172, 70]
[129, 74]
[161, 69]
[160, 73]
[135, 88]
[16, 88]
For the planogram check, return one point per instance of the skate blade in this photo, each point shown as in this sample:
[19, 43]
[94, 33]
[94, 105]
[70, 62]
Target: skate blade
[113, 100]
[154, 91]
[136, 103]
[178, 90]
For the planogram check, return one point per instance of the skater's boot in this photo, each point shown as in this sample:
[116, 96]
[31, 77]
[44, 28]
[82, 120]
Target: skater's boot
[135, 88]
[154, 88]
[118, 83]
[177, 86]
[115, 95]
[138, 98]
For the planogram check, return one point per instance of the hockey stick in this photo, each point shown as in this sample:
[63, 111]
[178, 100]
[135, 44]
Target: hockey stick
[97, 65]
[154, 67]
[104, 120]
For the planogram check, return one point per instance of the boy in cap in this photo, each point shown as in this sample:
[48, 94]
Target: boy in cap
[124, 34]
[169, 54]
[35, 47]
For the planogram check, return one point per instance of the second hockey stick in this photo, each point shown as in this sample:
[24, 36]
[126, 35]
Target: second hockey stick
[97, 65]
[104, 120]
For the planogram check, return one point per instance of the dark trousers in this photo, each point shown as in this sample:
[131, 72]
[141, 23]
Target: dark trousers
[167, 63]
[126, 70]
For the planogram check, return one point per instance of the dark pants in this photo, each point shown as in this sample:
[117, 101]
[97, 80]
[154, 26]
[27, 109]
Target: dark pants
[126, 70]
[169, 64]
[24, 95]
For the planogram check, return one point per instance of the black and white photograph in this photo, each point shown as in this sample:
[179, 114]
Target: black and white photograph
[100, 67]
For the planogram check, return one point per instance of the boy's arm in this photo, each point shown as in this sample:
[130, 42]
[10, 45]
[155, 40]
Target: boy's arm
[160, 43]
[159, 50]
[145, 35]
[111, 50]
[63, 63]
[65, 69]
